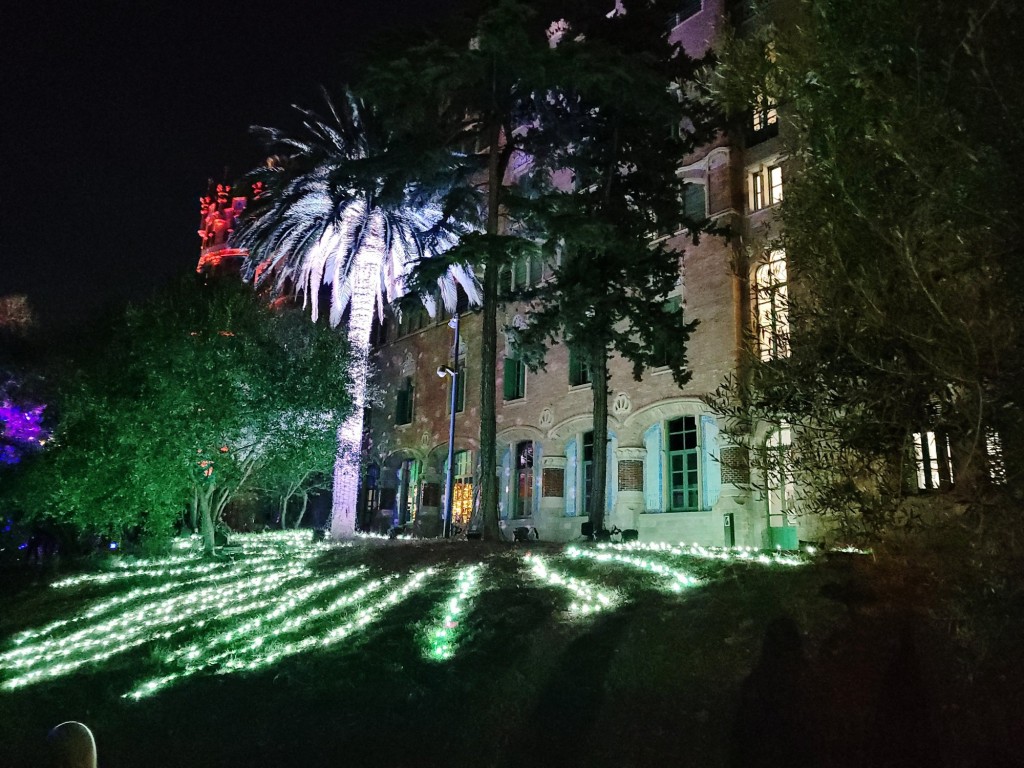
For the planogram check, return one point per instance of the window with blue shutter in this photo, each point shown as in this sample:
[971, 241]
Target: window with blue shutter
[570, 478]
[506, 483]
[652, 469]
[711, 465]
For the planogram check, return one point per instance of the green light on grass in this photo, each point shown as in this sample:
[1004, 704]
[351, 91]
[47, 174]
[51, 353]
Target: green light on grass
[677, 580]
[587, 597]
[442, 635]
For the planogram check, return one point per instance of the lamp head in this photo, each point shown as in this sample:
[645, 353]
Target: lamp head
[444, 370]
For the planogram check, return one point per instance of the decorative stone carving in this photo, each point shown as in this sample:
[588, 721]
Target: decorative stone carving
[621, 405]
[547, 418]
[408, 364]
[631, 453]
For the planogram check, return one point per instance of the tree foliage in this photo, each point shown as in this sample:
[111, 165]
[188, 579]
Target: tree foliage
[472, 99]
[339, 208]
[904, 124]
[624, 115]
[187, 401]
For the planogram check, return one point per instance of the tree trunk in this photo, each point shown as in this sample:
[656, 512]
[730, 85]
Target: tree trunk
[488, 350]
[205, 520]
[599, 383]
[302, 510]
[284, 510]
[193, 512]
[345, 495]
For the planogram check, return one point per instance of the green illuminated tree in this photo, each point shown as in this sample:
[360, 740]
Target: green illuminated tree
[189, 399]
[340, 208]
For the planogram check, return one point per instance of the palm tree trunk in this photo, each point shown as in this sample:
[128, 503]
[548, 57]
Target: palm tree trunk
[350, 434]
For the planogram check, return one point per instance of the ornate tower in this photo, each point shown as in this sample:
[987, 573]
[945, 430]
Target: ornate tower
[218, 215]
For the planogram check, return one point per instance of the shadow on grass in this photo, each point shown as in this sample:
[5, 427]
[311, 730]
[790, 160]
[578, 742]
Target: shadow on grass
[561, 725]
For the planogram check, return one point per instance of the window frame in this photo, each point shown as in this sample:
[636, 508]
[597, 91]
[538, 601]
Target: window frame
[771, 305]
[765, 114]
[672, 304]
[757, 200]
[520, 504]
[774, 189]
[688, 9]
[690, 465]
[579, 371]
[513, 390]
[407, 395]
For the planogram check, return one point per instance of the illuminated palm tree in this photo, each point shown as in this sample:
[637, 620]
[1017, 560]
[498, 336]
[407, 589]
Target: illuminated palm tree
[337, 209]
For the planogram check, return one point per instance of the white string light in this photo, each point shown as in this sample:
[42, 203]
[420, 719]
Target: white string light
[678, 580]
[441, 636]
[588, 598]
[733, 554]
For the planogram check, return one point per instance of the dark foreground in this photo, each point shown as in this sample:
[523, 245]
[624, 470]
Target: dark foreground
[847, 661]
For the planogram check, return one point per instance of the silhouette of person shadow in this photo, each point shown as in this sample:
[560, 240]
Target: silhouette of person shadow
[775, 716]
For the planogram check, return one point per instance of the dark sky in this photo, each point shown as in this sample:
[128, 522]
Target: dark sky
[116, 112]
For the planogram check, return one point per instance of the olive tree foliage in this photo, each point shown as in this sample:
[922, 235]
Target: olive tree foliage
[190, 399]
[904, 127]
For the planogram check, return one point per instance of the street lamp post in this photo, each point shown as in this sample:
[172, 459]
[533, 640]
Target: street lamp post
[449, 480]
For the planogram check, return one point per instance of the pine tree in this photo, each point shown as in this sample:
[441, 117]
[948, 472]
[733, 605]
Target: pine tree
[622, 121]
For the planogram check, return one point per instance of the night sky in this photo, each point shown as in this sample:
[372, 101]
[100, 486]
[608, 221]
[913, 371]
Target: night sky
[115, 114]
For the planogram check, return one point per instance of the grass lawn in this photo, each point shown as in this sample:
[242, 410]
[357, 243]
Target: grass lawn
[404, 653]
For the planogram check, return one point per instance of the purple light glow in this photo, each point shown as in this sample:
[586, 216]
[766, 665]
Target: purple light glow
[20, 430]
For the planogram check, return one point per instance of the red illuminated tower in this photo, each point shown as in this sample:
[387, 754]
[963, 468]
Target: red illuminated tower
[218, 215]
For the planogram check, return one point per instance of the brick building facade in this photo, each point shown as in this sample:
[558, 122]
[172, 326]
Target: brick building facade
[672, 473]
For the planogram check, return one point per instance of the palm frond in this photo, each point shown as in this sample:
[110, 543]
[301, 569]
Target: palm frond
[332, 196]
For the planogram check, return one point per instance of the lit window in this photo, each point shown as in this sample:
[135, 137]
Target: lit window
[773, 307]
[994, 455]
[523, 503]
[931, 455]
[775, 184]
[780, 486]
[515, 379]
[756, 191]
[462, 490]
[765, 113]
